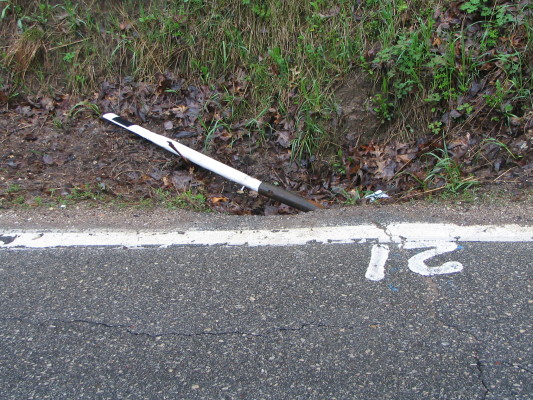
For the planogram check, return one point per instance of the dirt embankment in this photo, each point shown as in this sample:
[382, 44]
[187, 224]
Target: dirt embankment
[54, 150]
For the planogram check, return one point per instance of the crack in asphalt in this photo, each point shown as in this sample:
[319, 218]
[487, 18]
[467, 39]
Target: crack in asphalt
[458, 329]
[479, 364]
[133, 332]
[480, 368]
[385, 229]
[518, 366]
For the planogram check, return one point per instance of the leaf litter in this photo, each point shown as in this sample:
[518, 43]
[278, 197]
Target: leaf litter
[45, 151]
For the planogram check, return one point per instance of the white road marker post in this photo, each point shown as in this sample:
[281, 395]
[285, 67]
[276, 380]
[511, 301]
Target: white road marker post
[217, 167]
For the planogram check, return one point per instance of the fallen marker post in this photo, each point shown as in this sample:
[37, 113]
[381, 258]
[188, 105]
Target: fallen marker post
[266, 189]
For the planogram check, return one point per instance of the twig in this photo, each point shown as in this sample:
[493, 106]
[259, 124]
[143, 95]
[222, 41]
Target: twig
[503, 173]
[127, 170]
[9, 133]
[436, 189]
[187, 162]
[67, 44]
[401, 168]
[422, 193]
[117, 166]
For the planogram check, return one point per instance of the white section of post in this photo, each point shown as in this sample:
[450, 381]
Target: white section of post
[192, 155]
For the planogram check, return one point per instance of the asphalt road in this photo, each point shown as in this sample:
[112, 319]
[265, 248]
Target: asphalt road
[266, 322]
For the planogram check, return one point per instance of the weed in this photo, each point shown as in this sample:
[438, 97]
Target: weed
[13, 188]
[5, 10]
[144, 203]
[435, 127]
[279, 60]
[353, 196]
[466, 107]
[84, 106]
[383, 107]
[502, 145]
[339, 164]
[26, 49]
[58, 123]
[257, 124]
[86, 192]
[19, 200]
[308, 139]
[188, 199]
[473, 6]
[210, 130]
[69, 57]
[314, 111]
[446, 174]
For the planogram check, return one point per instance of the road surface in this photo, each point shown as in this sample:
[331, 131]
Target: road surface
[386, 310]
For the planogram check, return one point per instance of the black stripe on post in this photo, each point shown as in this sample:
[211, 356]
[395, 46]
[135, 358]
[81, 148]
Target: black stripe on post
[282, 195]
[124, 122]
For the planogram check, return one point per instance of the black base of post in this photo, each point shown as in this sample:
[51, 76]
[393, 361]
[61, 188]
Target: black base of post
[282, 195]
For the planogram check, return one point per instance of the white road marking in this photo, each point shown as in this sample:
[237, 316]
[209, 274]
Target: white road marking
[376, 266]
[439, 238]
[417, 264]
[392, 233]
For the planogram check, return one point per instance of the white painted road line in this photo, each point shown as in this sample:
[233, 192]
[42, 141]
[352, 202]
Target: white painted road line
[399, 233]
[434, 239]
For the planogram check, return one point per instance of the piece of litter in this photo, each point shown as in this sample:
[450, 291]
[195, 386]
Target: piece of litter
[378, 194]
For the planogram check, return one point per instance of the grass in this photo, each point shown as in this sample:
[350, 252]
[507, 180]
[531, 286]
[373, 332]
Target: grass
[97, 194]
[355, 196]
[84, 106]
[13, 188]
[188, 199]
[287, 55]
[446, 174]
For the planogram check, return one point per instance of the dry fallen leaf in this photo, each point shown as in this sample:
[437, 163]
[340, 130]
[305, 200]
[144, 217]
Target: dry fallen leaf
[125, 26]
[216, 200]
[3, 97]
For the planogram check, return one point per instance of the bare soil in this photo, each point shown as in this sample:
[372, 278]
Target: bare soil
[501, 208]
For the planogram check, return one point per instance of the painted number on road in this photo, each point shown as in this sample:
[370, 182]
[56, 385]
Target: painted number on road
[417, 263]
